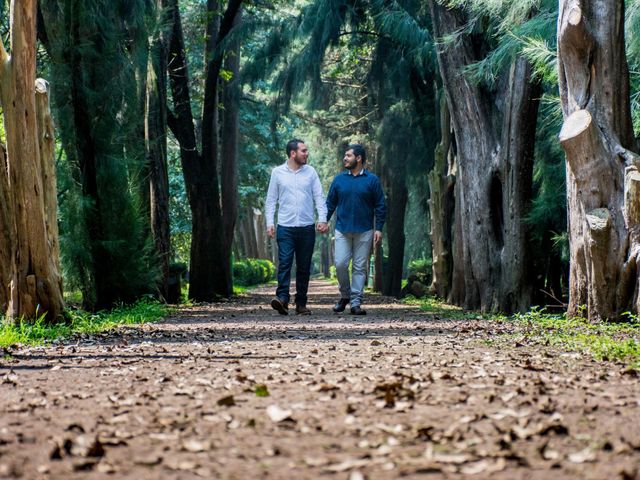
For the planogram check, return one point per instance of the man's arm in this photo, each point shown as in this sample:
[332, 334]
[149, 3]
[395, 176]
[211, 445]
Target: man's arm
[332, 199]
[380, 208]
[270, 204]
[321, 206]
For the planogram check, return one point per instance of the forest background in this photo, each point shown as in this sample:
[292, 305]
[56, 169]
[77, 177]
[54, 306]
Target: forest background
[170, 114]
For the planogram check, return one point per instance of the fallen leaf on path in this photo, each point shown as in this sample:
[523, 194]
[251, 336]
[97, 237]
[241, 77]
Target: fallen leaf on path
[148, 459]
[227, 401]
[585, 455]
[357, 475]
[261, 391]
[196, 446]
[484, 466]
[277, 415]
[347, 465]
[87, 446]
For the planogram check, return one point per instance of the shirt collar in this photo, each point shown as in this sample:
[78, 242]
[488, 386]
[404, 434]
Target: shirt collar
[286, 166]
[362, 172]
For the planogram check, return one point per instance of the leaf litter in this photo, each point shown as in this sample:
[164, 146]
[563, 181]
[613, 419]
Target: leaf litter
[234, 390]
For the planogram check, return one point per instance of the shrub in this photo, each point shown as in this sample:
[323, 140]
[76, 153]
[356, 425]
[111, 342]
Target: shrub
[421, 268]
[253, 271]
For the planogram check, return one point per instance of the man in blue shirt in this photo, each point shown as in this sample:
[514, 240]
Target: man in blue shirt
[359, 200]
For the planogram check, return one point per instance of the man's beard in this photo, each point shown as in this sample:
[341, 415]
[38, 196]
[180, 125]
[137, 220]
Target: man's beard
[350, 166]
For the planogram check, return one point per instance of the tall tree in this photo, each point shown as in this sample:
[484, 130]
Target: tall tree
[106, 246]
[26, 193]
[603, 178]
[494, 169]
[441, 206]
[156, 140]
[210, 262]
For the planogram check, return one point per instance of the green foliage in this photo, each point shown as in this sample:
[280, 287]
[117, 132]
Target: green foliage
[261, 391]
[605, 341]
[41, 332]
[421, 268]
[442, 309]
[253, 271]
[526, 35]
[105, 241]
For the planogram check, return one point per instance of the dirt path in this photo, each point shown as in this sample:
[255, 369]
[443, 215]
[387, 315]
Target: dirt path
[395, 394]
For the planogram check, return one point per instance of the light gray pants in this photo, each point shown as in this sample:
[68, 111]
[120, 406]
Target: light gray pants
[355, 247]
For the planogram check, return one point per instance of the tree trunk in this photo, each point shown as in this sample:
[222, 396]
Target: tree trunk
[259, 227]
[396, 175]
[35, 288]
[156, 147]
[229, 154]
[210, 267]
[378, 276]
[7, 232]
[494, 132]
[441, 207]
[603, 177]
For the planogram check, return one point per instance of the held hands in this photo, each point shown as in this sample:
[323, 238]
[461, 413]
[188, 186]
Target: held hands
[377, 237]
[271, 231]
[322, 227]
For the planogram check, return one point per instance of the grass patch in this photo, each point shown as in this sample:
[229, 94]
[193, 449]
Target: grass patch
[40, 332]
[439, 307]
[240, 289]
[604, 341]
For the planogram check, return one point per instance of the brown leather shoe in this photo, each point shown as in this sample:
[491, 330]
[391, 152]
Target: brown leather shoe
[280, 306]
[300, 310]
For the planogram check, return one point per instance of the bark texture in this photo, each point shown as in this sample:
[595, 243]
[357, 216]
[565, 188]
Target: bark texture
[7, 232]
[229, 153]
[396, 180]
[35, 282]
[156, 145]
[494, 133]
[210, 266]
[441, 207]
[602, 171]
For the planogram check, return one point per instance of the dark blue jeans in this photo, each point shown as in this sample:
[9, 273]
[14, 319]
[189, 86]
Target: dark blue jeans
[298, 241]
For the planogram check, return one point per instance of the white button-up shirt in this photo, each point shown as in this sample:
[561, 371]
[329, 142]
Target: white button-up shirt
[295, 192]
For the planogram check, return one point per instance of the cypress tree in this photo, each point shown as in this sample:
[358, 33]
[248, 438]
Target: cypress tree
[106, 248]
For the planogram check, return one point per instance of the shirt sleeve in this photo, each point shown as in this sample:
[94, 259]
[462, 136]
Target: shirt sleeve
[380, 208]
[272, 199]
[332, 199]
[318, 198]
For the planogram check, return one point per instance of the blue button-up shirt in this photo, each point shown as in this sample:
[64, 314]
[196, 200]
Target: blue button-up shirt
[358, 199]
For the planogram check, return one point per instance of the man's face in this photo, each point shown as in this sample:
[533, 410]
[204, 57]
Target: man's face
[350, 161]
[301, 155]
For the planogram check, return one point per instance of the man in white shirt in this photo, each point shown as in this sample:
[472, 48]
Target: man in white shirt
[294, 188]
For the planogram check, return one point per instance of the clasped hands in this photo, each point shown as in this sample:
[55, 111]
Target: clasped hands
[322, 227]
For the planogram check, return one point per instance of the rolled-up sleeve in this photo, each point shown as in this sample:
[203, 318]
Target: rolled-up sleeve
[272, 199]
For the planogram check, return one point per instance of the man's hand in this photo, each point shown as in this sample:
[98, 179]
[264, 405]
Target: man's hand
[322, 227]
[377, 237]
[271, 231]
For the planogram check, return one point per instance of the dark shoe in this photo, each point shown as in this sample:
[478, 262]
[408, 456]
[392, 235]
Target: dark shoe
[280, 306]
[300, 310]
[341, 305]
[358, 311]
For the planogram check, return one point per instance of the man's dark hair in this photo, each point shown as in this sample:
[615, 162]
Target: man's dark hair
[292, 146]
[358, 151]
